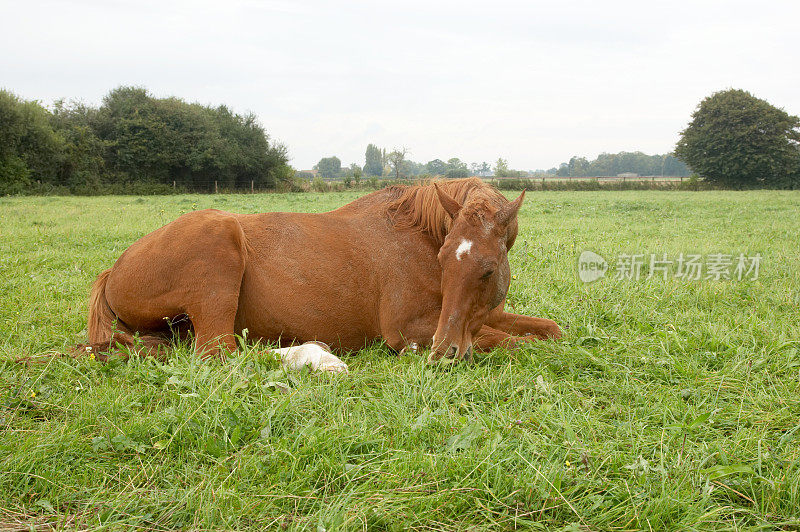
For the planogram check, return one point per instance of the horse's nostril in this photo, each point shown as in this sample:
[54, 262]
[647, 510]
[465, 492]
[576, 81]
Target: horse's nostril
[468, 354]
[452, 352]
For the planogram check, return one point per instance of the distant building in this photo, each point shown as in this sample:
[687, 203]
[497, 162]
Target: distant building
[307, 174]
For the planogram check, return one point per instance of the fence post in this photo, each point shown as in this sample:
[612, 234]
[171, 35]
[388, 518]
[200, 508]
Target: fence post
[252, 186]
[216, 190]
[174, 185]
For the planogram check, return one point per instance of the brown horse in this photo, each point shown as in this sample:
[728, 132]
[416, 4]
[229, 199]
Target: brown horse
[413, 265]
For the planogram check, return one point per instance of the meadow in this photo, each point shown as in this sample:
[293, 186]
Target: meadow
[670, 404]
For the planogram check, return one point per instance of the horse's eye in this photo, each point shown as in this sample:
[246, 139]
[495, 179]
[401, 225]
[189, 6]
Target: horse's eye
[487, 274]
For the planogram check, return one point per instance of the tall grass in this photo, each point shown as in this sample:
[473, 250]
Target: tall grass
[669, 405]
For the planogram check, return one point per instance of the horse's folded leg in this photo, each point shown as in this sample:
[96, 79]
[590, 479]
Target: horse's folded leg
[311, 354]
[153, 346]
[121, 345]
[489, 338]
[213, 330]
[217, 347]
[519, 325]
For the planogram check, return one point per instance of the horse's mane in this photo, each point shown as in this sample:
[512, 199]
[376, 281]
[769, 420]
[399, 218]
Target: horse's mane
[417, 207]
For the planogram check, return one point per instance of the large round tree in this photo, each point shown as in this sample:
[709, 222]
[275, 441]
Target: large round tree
[738, 140]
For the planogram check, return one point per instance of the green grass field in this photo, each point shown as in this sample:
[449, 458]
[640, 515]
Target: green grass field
[670, 404]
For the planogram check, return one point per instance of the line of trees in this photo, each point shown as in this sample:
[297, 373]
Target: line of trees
[395, 164]
[378, 162]
[612, 164]
[133, 141]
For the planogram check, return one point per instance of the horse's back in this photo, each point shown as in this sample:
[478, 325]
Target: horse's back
[309, 277]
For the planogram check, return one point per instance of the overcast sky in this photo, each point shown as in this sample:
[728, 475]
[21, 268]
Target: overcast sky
[534, 82]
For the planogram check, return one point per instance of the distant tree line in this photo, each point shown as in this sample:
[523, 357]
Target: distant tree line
[395, 164]
[389, 164]
[133, 141]
[612, 164]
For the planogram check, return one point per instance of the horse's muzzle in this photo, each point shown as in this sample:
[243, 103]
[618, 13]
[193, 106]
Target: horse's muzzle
[450, 352]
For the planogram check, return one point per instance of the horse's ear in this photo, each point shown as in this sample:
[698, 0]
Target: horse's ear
[448, 202]
[507, 212]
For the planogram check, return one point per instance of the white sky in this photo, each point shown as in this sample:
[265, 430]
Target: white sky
[535, 82]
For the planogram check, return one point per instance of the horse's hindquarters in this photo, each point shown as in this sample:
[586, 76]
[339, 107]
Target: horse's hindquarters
[192, 266]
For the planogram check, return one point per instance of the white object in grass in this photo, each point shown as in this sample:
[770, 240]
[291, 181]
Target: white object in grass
[314, 354]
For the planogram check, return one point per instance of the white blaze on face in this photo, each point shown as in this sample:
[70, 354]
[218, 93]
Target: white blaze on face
[463, 247]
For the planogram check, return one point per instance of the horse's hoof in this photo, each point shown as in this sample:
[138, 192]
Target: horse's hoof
[323, 345]
[468, 355]
[333, 366]
[312, 354]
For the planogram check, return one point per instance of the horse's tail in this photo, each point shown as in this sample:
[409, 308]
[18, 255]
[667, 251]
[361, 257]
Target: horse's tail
[101, 326]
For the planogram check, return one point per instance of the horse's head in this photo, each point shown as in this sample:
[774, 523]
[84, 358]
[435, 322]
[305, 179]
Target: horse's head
[475, 270]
